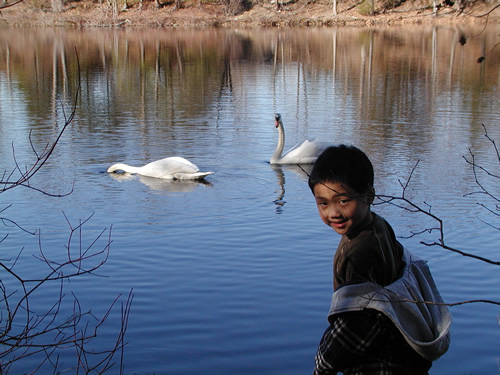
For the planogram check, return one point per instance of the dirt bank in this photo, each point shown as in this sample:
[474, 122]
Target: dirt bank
[297, 13]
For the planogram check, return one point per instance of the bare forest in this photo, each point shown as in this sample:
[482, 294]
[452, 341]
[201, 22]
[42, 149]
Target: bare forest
[249, 13]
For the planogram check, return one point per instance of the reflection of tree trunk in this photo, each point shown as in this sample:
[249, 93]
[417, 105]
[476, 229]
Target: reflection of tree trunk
[434, 55]
[226, 84]
[481, 68]
[366, 71]
[7, 64]
[275, 57]
[454, 43]
[302, 73]
[282, 49]
[142, 77]
[178, 52]
[227, 78]
[157, 73]
[126, 53]
[434, 71]
[362, 69]
[169, 90]
[179, 59]
[58, 52]
[64, 68]
[334, 56]
[178, 4]
[54, 79]
[370, 64]
[299, 75]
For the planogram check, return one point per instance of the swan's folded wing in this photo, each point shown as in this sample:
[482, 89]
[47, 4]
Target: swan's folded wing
[305, 153]
[191, 176]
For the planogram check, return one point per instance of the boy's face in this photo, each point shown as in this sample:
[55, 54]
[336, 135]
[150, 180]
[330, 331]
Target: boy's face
[340, 208]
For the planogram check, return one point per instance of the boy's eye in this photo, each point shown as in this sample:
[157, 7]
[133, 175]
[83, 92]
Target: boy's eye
[321, 202]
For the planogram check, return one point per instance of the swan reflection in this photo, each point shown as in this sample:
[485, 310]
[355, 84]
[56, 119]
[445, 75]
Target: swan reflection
[302, 171]
[174, 186]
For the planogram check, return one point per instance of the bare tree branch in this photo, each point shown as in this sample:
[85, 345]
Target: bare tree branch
[26, 174]
[412, 207]
[406, 204]
[30, 331]
[8, 4]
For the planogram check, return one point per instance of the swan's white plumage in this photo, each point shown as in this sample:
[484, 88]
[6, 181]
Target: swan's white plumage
[305, 153]
[172, 168]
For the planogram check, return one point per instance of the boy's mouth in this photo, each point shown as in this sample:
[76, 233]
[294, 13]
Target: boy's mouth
[340, 224]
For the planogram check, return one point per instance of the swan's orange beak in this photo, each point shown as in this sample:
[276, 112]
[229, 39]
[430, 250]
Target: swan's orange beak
[276, 123]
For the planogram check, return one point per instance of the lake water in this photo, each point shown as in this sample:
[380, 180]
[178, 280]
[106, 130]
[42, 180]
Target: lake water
[234, 276]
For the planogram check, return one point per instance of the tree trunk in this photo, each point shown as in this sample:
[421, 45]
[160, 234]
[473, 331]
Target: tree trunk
[57, 5]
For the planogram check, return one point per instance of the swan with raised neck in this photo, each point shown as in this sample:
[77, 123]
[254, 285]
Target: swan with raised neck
[305, 153]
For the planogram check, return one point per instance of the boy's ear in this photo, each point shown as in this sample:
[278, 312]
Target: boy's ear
[370, 195]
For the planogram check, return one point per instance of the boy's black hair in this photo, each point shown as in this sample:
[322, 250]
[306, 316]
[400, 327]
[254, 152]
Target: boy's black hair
[345, 164]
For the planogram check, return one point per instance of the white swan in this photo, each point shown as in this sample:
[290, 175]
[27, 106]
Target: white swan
[305, 153]
[172, 168]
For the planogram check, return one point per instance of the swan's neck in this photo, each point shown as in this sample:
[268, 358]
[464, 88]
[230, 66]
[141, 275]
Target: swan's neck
[281, 144]
[123, 167]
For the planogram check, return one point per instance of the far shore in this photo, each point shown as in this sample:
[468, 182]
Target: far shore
[299, 13]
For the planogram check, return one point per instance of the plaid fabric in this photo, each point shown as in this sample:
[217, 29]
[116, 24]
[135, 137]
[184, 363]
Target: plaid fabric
[366, 343]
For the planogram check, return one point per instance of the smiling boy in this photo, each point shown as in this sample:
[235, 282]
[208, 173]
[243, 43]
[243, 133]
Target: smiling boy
[342, 184]
[373, 328]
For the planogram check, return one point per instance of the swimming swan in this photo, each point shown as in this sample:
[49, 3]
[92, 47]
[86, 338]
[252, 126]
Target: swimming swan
[305, 153]
[172, 168]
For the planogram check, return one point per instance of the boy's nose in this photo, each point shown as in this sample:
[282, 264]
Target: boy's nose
[333, 212]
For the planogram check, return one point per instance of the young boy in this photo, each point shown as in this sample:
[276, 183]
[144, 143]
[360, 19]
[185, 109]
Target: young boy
[378, 323]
